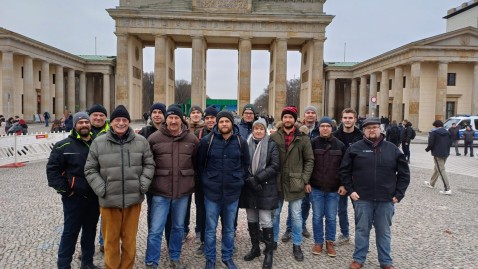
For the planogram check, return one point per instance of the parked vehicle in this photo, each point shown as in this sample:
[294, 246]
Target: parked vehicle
[462, 121]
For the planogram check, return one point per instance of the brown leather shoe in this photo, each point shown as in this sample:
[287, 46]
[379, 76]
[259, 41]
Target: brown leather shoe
[387, 267]
[329, 245]
[355, 265]
[317, 249]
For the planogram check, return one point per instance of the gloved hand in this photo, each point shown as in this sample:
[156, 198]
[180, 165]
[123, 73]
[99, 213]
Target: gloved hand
[254, 183]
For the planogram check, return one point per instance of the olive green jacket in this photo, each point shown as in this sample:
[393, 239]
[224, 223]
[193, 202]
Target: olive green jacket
[297, 163]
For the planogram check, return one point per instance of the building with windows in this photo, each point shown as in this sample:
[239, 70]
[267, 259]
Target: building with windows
[36, 77]
[432, 78]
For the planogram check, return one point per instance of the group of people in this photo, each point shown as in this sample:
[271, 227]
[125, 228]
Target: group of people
[107, 169]
[16, 125]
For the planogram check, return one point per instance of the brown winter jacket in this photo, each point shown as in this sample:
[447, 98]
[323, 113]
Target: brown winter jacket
[175, 159]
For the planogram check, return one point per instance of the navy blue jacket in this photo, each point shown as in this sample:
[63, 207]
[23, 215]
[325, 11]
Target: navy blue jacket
[223, 165]
[376, 174]
[245, 129]
[66, 166]
[439, 142]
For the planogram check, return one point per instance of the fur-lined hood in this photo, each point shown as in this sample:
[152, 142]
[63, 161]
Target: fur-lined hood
[302, 128]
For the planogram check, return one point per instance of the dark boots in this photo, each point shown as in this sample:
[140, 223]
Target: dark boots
[298, 255]
[254, 234]
[268, 235]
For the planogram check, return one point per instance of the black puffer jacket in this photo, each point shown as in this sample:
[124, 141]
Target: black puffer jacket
[66, 165]
[266, 199]
[375, 173]
[328, 154]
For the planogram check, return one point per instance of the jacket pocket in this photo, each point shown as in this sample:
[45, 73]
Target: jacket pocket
[186, 184]
[296, 184]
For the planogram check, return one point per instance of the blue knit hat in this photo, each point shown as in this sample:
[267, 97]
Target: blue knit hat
[325, 119]
[210, 111]
[159, 106]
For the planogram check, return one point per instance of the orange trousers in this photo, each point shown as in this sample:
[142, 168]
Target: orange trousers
[119, 227]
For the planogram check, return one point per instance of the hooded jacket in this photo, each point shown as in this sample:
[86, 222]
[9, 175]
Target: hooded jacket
[439, 142]
[175, 160]
[120, 170]
[296, 163]
[375, 173]
[223, 165]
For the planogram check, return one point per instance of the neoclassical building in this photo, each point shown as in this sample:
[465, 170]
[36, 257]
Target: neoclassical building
[36, 77]
[432, 78]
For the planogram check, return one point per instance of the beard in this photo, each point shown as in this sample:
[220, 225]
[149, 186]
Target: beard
[288, 125]
[225, 130]
[84, 132]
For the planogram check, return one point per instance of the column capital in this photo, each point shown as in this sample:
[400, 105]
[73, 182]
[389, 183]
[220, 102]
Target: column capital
[118, 34]
[197, 37]
[284, 39]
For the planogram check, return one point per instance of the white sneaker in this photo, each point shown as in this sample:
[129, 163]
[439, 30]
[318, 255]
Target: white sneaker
[428, 185]
[448, 192]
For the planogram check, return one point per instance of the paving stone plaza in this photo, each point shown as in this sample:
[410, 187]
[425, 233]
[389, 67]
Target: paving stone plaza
[429, 230]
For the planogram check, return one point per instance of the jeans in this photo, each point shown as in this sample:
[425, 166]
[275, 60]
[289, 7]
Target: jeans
[160, 207]
[79, 214]
[305, 207]
[262, 216]
[324, 204]
[167, 228]
[101, 242]
[343, 215]
[295, 212]
[228, 216]
[378, 214]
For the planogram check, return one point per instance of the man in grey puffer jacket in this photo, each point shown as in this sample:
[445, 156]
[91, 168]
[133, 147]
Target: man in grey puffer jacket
[119, 169]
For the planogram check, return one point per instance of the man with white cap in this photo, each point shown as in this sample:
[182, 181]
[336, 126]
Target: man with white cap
[65, 173]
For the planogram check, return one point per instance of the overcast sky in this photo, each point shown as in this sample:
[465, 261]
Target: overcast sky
[367, 27]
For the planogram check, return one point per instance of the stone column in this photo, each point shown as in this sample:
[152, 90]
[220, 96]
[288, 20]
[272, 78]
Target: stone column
[474, 92]
[45, 87]
[160, 69]
[71, 91]
[59, 92]
[280, 80]
[122, 70]
[317, 91]
[244, 83]
[90, 93]
[397, 111]
[106, 91]
[363, 97]
[331, 101]
[7, 84]
[372, 108]
[353, 94]
[82, 91]
[384, 94]
[29, 93]
[414, 94]
[440, 102]
[198, 81]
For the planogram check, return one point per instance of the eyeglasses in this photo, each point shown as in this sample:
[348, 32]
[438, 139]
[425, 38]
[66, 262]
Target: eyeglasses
[371, 128]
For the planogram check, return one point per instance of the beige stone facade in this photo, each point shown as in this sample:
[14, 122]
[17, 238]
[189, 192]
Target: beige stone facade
[429, 79]
[36, 77]
[245, 25]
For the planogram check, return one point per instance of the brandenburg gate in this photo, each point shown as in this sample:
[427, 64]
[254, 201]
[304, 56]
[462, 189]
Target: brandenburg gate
[245, 25]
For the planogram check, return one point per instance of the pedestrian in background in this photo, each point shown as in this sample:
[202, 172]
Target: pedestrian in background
[468, 136]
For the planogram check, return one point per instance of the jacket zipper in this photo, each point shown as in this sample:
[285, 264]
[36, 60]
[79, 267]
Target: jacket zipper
[122, 171]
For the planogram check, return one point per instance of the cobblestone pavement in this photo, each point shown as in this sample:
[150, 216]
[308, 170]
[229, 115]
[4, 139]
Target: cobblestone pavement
[429, 230]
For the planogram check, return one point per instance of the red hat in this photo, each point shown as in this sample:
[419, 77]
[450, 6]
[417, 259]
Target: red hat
[292, 110]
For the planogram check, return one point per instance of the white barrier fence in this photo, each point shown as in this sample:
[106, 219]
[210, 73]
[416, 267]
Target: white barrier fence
[15, 149]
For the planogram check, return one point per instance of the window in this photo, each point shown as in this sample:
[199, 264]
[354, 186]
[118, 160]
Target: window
[450, 109]
[451, 79]
[404, 82]
[378, 86]
[390, 84]
[22, 75]
[54, 78]
[463, 124]
[39, 76]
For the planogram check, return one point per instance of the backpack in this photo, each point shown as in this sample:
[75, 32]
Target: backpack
[413, 134]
